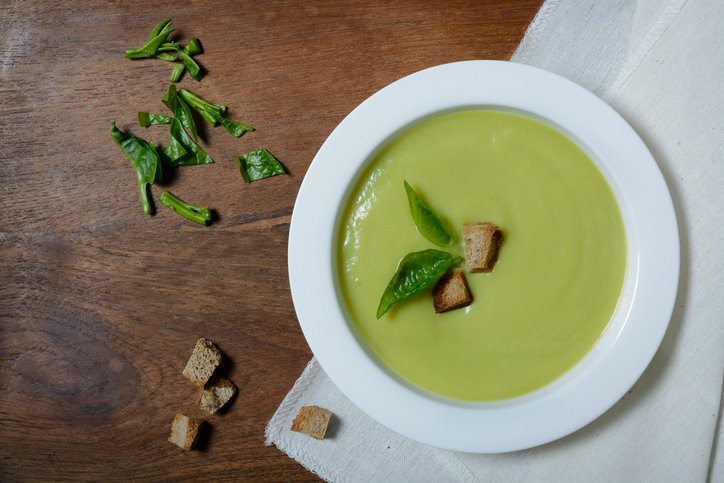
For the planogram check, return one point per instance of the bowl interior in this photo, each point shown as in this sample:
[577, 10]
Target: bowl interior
[609, 334]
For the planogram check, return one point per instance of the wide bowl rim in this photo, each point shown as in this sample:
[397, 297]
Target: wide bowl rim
[652, 272]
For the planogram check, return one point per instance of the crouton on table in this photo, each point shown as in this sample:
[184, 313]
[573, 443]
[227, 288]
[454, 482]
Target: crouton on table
[482, 241]
[204, 360]
[312, 420]
[217, 392]
[185, 431]
[451, 292]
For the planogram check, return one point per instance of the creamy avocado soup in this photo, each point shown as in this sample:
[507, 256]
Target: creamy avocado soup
[560, 267]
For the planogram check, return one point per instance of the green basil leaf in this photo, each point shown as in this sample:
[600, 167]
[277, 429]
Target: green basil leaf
[146, 119]
[211, 112]
[196, 155]
[196, 213]
[158, 37]
[192, 48]
[214, 113]
[210, 117]
[415, 272]
[427, 222]
[158, 177]
[159, 27]
[181, 110]
[144, 159]
[235, 129]
[259, 164]
[175, 150]
[169, 98]
[183, 114]
[191, 65]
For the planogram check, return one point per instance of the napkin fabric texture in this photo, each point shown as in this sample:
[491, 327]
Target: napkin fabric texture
[661, 65]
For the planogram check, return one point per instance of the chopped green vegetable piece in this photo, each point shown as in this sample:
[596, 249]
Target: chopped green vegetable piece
[182, 149]
[175, 150]
[162, 30]
[158, 176]
[190, 64]
[202, 105]
[160, 47]
[169, 46]
[177, 73]
[144, 159]
[199, 214]
[210, 117]
[181, 110]
[183, 114]
[193, 47]
[214, 113]
[169, 97]
[415, 272]
[259, 164]
[428, 223]
[197, 154]
[159, 27]
[166, 56]
[146, 119]
[235, 129]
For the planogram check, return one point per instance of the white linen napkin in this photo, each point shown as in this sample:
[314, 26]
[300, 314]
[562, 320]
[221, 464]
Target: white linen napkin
[661, 65]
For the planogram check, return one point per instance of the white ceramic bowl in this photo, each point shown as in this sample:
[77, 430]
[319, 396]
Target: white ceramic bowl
[630, 339]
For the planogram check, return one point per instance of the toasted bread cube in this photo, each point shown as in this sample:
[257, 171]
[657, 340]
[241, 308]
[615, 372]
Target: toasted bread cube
[204, 360]
[185, 431]
[482, 241]
[217, 392]
[312, 420]
[451, 292]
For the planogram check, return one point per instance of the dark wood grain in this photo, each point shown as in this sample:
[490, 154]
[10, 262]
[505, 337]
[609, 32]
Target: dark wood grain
[100, 305]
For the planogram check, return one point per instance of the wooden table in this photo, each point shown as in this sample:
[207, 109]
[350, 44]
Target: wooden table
[100, 305]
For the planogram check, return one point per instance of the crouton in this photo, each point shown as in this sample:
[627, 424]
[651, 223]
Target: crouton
[185, 431]
[204, 360]
[482, 241]
[451, 292]
[217, 392]
[312, 420]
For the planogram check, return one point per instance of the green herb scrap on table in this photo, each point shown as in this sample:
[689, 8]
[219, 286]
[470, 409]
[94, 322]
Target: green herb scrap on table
[157, 47]
[183, 147]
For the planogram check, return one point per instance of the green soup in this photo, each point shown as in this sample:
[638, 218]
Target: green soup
[559, 272]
